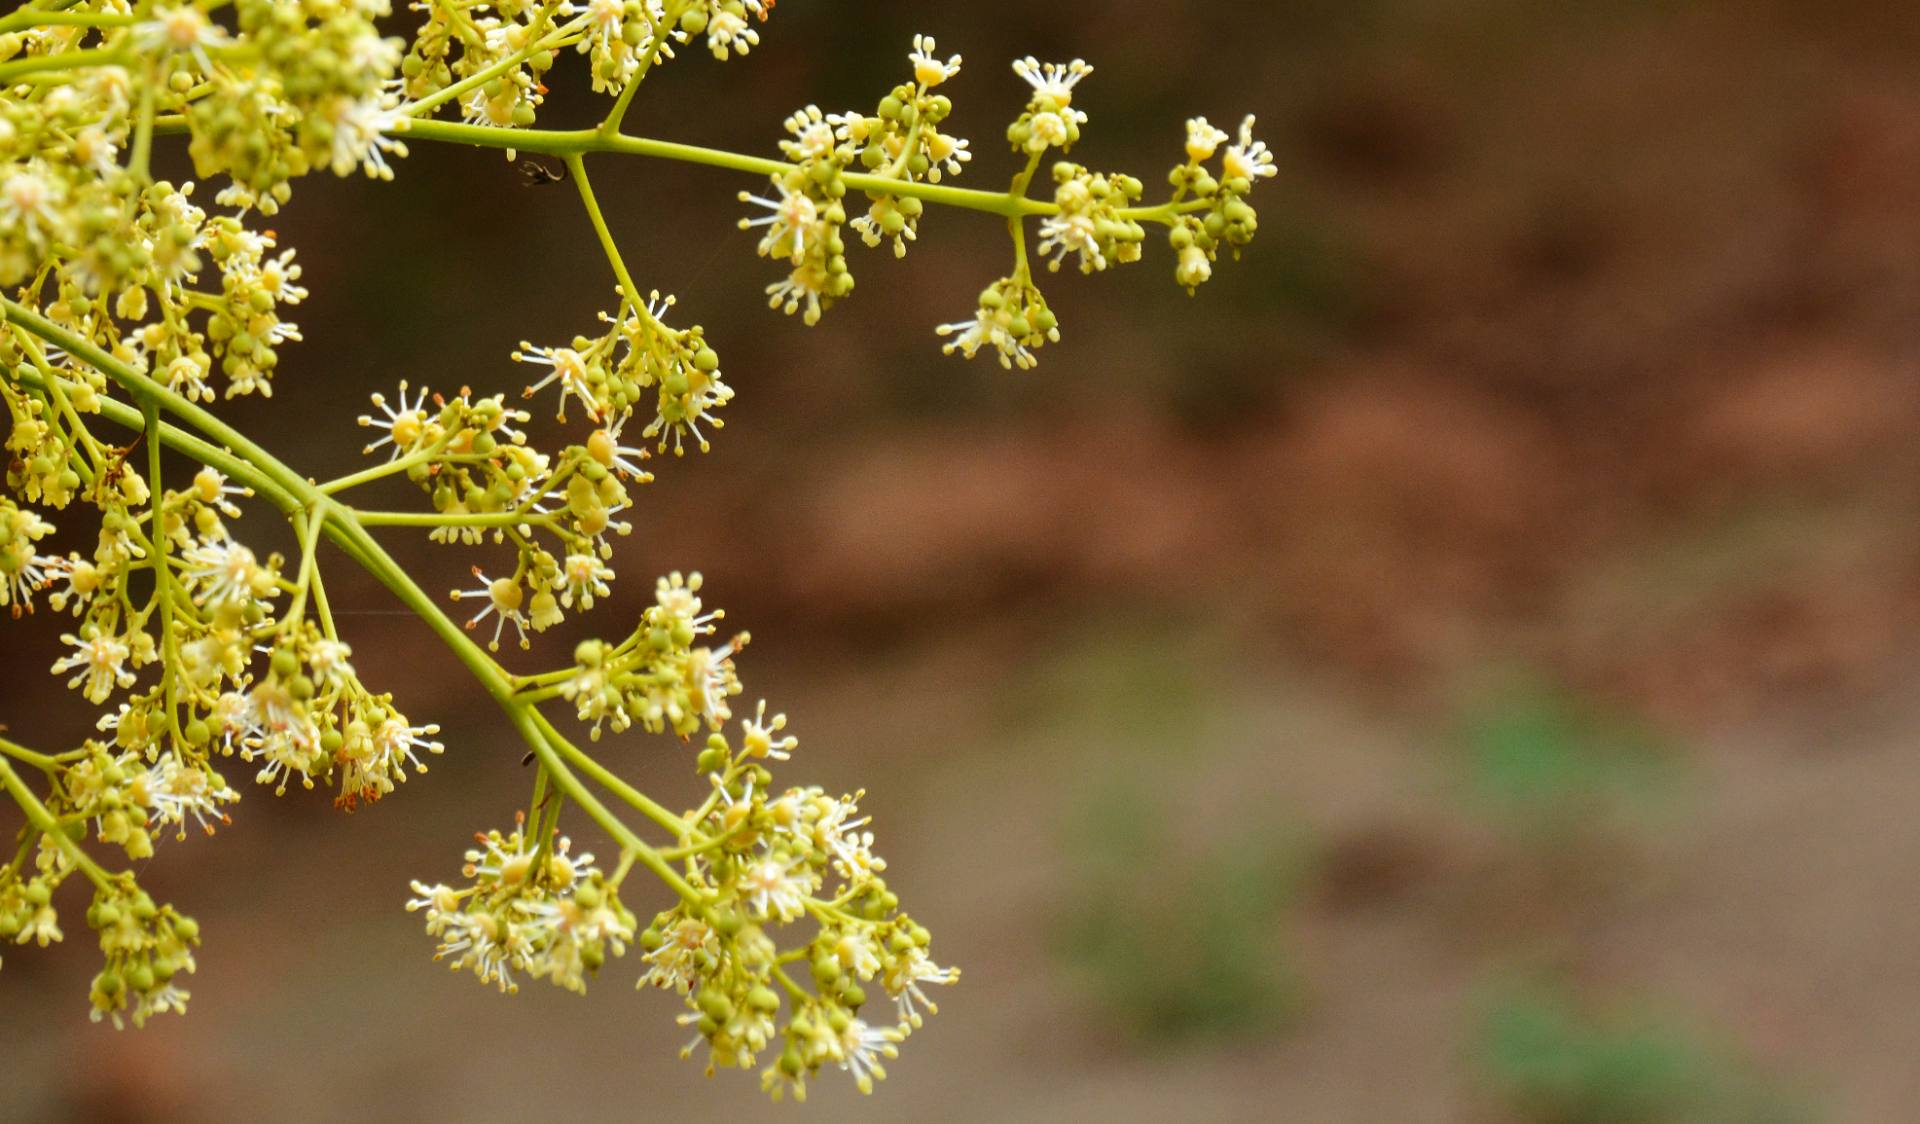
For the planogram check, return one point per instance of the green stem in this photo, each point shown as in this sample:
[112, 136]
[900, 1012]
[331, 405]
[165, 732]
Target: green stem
[543, 679]
[306, 528]
[525, 720]
[579, 169]
[47, 824]
[320, 606]
[541, 694]
[35, 17]
[581, 142]
[162, 570]
[457, 519]
[19, 752]
[399, 464]
[1016, 226]
[799, 994]
[586, 141]
[65, 60]
[668, 17]
[675, 854]
[606, 779]
[137, 160]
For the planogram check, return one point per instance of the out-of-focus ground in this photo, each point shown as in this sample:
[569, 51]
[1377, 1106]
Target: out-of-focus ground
[1461, 666]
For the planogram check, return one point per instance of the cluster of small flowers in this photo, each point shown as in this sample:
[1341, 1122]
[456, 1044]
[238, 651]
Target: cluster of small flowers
[310, 717]
[514, 43]
[244, 326]
[60, 180]
[471, 459]
[127, 271]
[1049, 119]
[1011, 317]
[1229, 218]
[724, 23]
[902, 140]
[1090, 224]
[125, 797]
[805, 214]
[795, 857]
[147, 947]
[126, 260]
[530, 906]
[23, 569]
[314, 95]
[758, 861]
[39, 451]
[467, 455]
[330, 66]
[620, 33]
[661, 676]
[27, 912]
[611, 374]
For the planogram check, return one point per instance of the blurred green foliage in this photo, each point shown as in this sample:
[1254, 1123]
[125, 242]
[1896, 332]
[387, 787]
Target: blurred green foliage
[1550, 763]
[1176, 943]
[1545, 1059]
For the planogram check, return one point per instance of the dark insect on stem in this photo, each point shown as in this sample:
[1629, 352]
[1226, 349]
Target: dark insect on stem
[538, 174]
[112, 475]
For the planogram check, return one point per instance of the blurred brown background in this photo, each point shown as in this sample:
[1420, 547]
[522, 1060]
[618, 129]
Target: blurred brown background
[1461, 666]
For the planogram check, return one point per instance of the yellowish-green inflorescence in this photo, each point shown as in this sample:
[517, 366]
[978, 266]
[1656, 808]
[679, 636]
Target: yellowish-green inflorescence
[132, 304]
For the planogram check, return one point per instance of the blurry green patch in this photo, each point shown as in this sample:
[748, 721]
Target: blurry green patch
[1544, 1058]
[1136, 683]
[1178, 943]
[1546, 760]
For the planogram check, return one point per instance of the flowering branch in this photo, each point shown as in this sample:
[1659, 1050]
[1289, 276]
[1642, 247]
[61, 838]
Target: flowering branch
[128, 303]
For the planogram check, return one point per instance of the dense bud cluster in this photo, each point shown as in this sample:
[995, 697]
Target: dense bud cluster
[660, 676]
[1090, 224]
[805, 214]
[638, 357]
[531, 907]
[1011, 318]
[1227, 219]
